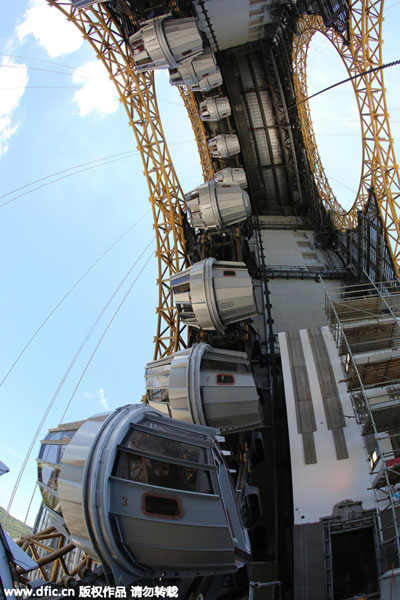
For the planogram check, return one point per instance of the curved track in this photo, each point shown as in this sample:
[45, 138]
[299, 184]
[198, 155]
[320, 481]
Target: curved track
[379, 168]
[137, 93]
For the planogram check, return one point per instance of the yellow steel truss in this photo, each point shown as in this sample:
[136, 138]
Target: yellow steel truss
[379, 167]
[137, 94]
[203, 148]
[51, 558]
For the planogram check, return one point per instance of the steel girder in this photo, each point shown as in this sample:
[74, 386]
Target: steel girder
[379, 167]
[50, 549]
[203, 148]
[137, 94]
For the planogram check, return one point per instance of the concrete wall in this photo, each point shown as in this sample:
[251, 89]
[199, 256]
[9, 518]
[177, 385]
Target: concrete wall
[296, 303]
[318, 487]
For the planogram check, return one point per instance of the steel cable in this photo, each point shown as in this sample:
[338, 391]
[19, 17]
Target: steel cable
[67, 372]
[71, 289]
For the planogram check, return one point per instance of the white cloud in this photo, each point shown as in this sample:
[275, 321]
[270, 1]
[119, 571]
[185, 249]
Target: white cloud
[97, 93]
[50, 29]
[58, 36]
[99, 396]
[103, 399]
[13, 81]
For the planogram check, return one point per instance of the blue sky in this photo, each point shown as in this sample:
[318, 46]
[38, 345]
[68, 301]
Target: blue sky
[51, 236]
[335, 113]
[53, 121]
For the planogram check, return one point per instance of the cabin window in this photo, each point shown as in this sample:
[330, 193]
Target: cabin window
[140, 440]
[229, 273]
[48, 475]
[183, 287]
[143, 62]
[160, 505]
[208, 364]
[181, 280]
[50, 499]
[185, 309]
[52, 453]
[177, 428]
[157, 380]
[161, 473]
[157, 395]
[186, 317]
[225, 379]
[138, 46]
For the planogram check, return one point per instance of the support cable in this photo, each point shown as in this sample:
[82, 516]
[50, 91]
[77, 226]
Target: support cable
[71, 289]
[103, 335]
[75, 87]
[90, 162]
[30, 502]
[362, 57]
[136, 90]
[45, 70]
[342, 183]
[392, 5]
[64, 377]
[39, 187]
[35, 87]
[106, 162]
[356, 76]
[41, 60]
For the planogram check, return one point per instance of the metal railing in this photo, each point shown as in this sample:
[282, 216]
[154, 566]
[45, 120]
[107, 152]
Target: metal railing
[387, 501]
[274, 585]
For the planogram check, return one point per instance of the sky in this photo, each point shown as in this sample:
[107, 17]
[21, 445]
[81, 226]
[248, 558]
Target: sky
[59, 115]
[335, 113]
[54, 115]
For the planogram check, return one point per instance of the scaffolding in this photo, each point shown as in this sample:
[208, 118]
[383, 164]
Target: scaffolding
[365, 322]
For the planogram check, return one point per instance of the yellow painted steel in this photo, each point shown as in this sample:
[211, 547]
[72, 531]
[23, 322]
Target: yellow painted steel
[203, 148]
[137, 94]
[44, 554]
[380, 171]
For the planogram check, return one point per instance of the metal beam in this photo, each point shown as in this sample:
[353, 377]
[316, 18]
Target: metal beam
[137, 94]
[380, 171]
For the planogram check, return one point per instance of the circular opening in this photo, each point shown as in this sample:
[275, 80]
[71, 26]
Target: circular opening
[335, 119]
